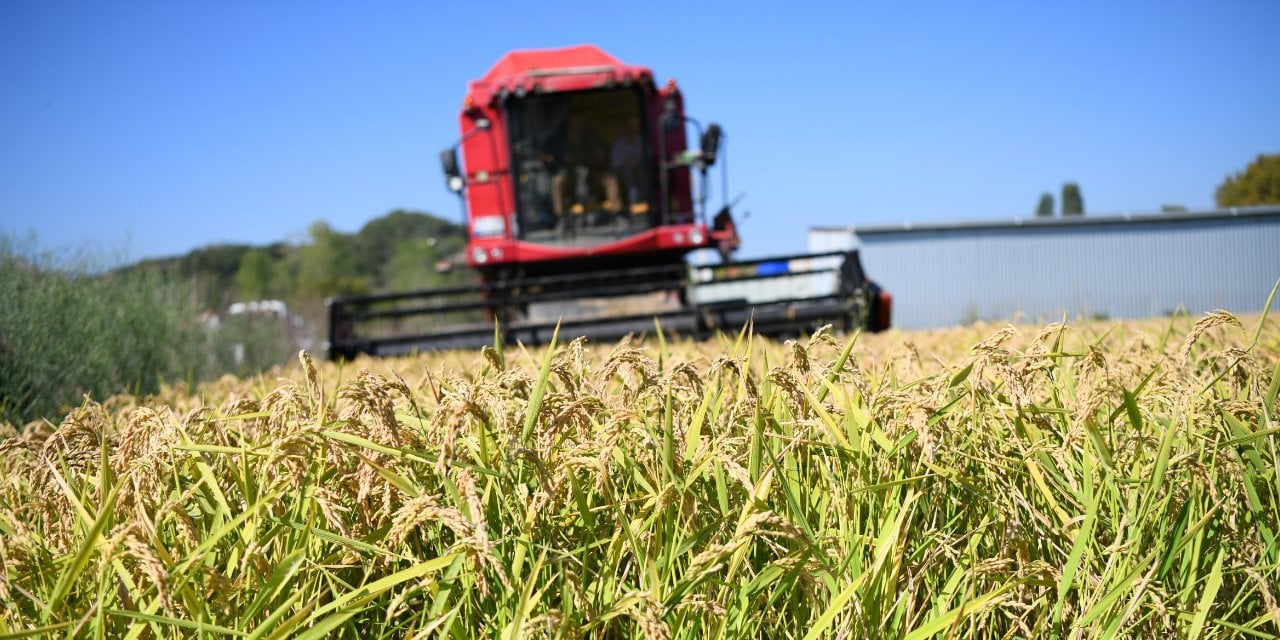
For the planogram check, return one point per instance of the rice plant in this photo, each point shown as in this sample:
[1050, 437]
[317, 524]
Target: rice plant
[1099, 480]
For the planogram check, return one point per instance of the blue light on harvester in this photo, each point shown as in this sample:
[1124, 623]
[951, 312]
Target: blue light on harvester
[773, 268]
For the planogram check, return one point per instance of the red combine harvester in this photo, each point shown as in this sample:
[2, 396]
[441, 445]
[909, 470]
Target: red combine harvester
[579, 184]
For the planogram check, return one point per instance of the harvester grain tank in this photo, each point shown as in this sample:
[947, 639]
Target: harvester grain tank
[579, 182]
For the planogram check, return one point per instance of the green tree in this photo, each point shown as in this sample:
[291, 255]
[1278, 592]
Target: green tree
[412, 266]
[253, 278]
[1072, 201]
[1259, 183]
[378, 242]
[328, 266]
[209, 271]
[1045, 208]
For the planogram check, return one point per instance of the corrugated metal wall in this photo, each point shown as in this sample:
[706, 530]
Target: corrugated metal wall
[1039, 270]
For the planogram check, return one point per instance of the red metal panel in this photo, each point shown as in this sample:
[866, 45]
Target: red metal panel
[485, 159]
[680, 236]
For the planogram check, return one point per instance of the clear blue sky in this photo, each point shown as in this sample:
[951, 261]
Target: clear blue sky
[151, 128]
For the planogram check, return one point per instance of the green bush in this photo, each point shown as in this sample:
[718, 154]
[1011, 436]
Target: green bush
[68, 330]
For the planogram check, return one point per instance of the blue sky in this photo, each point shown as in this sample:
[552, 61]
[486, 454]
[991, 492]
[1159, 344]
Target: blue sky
[151, 128]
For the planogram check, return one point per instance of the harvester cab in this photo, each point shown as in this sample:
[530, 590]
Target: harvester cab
[569, 156]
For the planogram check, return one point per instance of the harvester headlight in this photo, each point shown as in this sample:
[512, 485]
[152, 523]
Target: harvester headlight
[496, 252]
[478, 254]
[679, 238]
[695, 236]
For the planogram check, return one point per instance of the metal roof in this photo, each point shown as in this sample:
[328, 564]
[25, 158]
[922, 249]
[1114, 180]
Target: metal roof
[1104, 220]
[1119, 266]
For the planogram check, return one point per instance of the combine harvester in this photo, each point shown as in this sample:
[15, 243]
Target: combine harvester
[578, 184]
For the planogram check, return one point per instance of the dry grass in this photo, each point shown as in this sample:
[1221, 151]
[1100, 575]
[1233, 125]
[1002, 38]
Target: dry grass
[1100, 480]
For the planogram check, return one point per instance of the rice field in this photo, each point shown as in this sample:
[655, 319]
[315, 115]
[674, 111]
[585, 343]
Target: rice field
[1101, 479]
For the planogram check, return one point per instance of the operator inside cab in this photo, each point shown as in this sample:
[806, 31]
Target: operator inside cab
[580, 162]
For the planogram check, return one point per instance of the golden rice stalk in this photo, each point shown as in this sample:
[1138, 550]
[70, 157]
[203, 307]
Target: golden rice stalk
[423, 509]
[77, 444]
[369, 412]
[314, 390]
[1265, 587]
[995, 342]
[151, 567]
[799, 357]
[478, 541]
[287, 412]
[331, 507]
[822, 336]
[683, 376]
[647, 613]
[516, 381]
[702, 603]
[784, 381]
[471, 496]
[562, 371]
[578, 354]
[625, 358]
[737, 472]
[710, 560]
[576, 414]
[367, 398]
[491, 356]
[549, 624]
[1210, 320]
[177, 509]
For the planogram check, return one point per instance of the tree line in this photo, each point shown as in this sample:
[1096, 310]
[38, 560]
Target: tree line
[400, 250]
[1256, 184]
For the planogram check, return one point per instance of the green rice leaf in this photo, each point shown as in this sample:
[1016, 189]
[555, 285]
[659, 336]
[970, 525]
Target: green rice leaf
[1207, 597]
[199, 627]
[539, 390]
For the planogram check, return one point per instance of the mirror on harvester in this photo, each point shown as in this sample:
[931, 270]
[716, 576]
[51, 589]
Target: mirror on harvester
[453, 177]
[710, 144]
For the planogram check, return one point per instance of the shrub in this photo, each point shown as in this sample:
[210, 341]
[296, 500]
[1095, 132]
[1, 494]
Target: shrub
[69, 329]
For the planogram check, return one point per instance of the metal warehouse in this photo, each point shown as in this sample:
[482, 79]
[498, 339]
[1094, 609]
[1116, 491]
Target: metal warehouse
[1040, 269]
